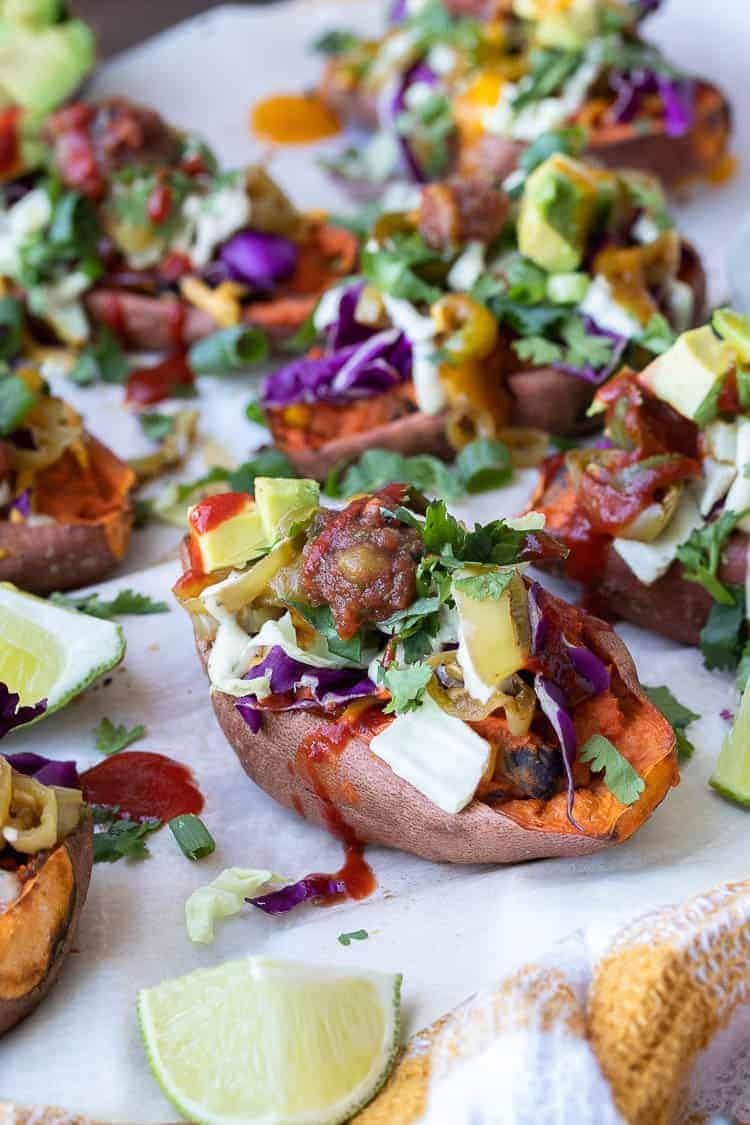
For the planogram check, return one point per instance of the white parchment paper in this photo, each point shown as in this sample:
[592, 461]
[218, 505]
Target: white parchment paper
[449, 930]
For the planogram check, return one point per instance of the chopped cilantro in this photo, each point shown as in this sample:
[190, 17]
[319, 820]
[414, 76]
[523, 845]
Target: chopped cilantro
[321, 619]
[658, 336]
[700, 554]
[585, 349]
[16, 400]
[721, 636]
[125, 602]
[121, 838]
[156, 426]
[335, 42]
[429, 125]
[11, 327]
[537, 350]
[488, 584]
[619, 776]
[394, 268]
[482, 464]
[269, 462]
[254, 413]
[407, 684]
[110, 739]
[677, 715]
[102, 359]
[547, 73]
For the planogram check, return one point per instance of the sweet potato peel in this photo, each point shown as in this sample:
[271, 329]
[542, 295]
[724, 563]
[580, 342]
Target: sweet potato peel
[38, 930]
[379, 807]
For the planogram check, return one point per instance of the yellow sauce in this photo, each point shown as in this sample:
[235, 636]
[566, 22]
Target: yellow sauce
[293, 119]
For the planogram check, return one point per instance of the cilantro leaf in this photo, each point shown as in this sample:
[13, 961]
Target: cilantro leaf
[122, 838]
[537, 350]
[547, 72]
[394, 267]
[335, 42]
[16, 400]
[488, 584]
[677, 715]
[658, 336]
[269, 462]
[378, 467]
[110, 738]
[321, 619]
[721, 636]
[156, 426]
[124, 602]
[619, 776]
[700, 554]
[407, 684]
[254, 413]
[585, 349]
[102, 359]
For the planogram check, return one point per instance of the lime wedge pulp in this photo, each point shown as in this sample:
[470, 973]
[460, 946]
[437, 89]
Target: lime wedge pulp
[262, 1040]
[731, 777]
[51, 653]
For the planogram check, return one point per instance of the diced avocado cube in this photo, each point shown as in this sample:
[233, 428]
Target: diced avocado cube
[35, 13]
[690, 371]
[735, 329]
[494, 635]
[563, 204]
[227, 530]
[570, 27]
[567, 288]
[39, 67]
[282, 502]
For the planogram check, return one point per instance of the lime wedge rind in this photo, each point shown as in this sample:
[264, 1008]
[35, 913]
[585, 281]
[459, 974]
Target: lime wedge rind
[81, 648]
[386, 988]
[731, 777]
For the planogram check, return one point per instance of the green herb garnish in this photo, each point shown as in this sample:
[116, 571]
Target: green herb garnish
[677, 715]
[110, 739]
[619, 776]
[125, 602]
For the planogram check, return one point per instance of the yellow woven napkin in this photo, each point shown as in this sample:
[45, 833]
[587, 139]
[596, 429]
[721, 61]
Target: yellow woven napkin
[646, 1025]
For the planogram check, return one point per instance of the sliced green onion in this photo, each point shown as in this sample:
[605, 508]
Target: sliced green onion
[483, 464]
[192, 835]
[228, 350]
[16, 400]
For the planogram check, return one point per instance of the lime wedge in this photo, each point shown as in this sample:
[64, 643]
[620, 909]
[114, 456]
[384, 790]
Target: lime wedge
[731, 777]
[269, 1041]
[51, 653]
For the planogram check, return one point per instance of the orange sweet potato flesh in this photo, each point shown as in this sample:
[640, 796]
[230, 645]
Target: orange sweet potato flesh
[38, 930]
[379, 807]
[91, 518]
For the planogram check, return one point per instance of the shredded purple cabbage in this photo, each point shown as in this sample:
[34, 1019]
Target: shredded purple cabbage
[555, 706]
[589, 667]
[398, 12]
[45, 770]
[357, 371]
[21, 504]
[329, 686]
[346, 329]
[393, 102]
[590, 374]
[285, 899]
[726, 715]
[259, 259]
[12, 715]
[677, 97]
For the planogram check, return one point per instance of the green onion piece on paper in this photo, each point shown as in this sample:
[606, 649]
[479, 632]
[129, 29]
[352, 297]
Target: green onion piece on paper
[192, 835]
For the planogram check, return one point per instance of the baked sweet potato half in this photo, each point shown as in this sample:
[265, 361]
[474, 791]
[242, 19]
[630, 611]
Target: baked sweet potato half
[65, 499]
[385, 675]
[656, 523]
[166, 247]
[497, 85]
[43, 889]
[475, 313]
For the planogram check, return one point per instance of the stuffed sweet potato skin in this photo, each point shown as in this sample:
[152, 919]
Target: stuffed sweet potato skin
[44, 557]
[381, 808]
[37, 932]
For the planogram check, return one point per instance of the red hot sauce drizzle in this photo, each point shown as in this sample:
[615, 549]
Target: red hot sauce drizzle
[319, 750]
[10, 149]
[142, 786]
[149, 385]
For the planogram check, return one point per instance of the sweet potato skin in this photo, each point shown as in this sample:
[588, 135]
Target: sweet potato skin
[51, 556]
[381, 808]
[21, 924]
[672, 606]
